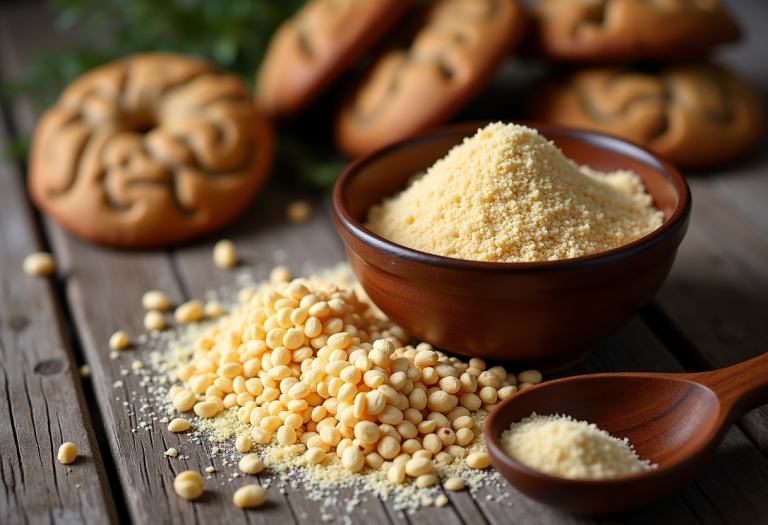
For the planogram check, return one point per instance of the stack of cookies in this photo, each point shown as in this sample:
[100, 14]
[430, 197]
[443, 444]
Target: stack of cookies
[633, 68]
[637, 69]
[160, 148]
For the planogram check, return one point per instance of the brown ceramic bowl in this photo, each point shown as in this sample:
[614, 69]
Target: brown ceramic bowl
[545, 314]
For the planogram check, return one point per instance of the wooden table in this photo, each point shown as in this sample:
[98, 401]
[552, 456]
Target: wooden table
[712, 312]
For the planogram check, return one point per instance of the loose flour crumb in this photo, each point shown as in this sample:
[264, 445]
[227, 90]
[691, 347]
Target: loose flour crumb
[509, 195]
[562, 446]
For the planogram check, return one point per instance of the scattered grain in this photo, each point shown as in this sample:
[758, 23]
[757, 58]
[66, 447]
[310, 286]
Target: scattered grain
[225, 254]
[454, 484]
[154, 320]
[250, 496]
[251, 464]
[298, 211]
[189, 312]
[178, 424]
[67, 453]
[478, 460]
[189, 484]
[155, 300]
[118, 340]
[39, 264]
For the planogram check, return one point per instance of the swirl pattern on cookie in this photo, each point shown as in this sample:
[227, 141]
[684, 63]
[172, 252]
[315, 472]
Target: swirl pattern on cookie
[696, 114]
[451, 58]
[620, 30]
[316, 45]
[151, 150]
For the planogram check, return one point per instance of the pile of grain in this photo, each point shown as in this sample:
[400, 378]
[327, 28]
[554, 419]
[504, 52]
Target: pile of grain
[301, 393]
[509, 195]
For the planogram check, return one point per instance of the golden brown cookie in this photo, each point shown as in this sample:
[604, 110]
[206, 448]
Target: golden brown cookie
[451, 58]
[622, 30]
[316, 45]
[150, 150]
[696, 114]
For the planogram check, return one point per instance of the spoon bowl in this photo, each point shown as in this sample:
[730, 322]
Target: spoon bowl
[674, 420]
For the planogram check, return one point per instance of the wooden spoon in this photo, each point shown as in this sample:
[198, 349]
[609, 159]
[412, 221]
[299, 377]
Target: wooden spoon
[674, 420]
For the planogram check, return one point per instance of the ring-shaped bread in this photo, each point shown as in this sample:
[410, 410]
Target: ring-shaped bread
[150, 150]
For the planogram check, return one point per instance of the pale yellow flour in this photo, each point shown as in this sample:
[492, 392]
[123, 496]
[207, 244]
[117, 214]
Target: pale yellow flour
[509, 195]
[562, 446]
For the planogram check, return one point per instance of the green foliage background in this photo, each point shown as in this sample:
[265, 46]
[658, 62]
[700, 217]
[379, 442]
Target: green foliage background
[232, 33]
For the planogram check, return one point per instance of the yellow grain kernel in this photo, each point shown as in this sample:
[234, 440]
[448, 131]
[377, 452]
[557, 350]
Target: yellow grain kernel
[118, 340]
[243, 443]
[251, 464]
[189, 484]
[178, 424]
[155, 300]
[250, 496]
[39, 264]
[225, 254]
[67, 453]
[478, 460]
[154, 320]
[298, 211]
[189, 312]
[529, 376]
[315, 455]
[454, 483]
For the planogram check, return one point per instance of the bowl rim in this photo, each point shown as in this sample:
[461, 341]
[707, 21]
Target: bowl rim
[669, 228]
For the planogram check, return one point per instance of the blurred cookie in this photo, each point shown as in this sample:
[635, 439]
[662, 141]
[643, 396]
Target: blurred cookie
[316, 45]
[625, 30]
[150, 150]
[697, 114]
[452, 57]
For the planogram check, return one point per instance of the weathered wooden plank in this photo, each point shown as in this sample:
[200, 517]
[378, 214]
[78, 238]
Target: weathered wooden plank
[104, 289]
[717, 293]
[41, 399]
[744, 188]
[743, 185]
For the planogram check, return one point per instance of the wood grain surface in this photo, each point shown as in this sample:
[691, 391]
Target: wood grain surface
[711, 313]
[41, 400]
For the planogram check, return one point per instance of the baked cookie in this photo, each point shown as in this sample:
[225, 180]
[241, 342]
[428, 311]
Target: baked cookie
[696, 114]
[623, 30]
[451, 58]
[150, 150]
[316, 45]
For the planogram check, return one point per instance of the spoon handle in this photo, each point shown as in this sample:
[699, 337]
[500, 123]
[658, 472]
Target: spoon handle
[740, 388]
